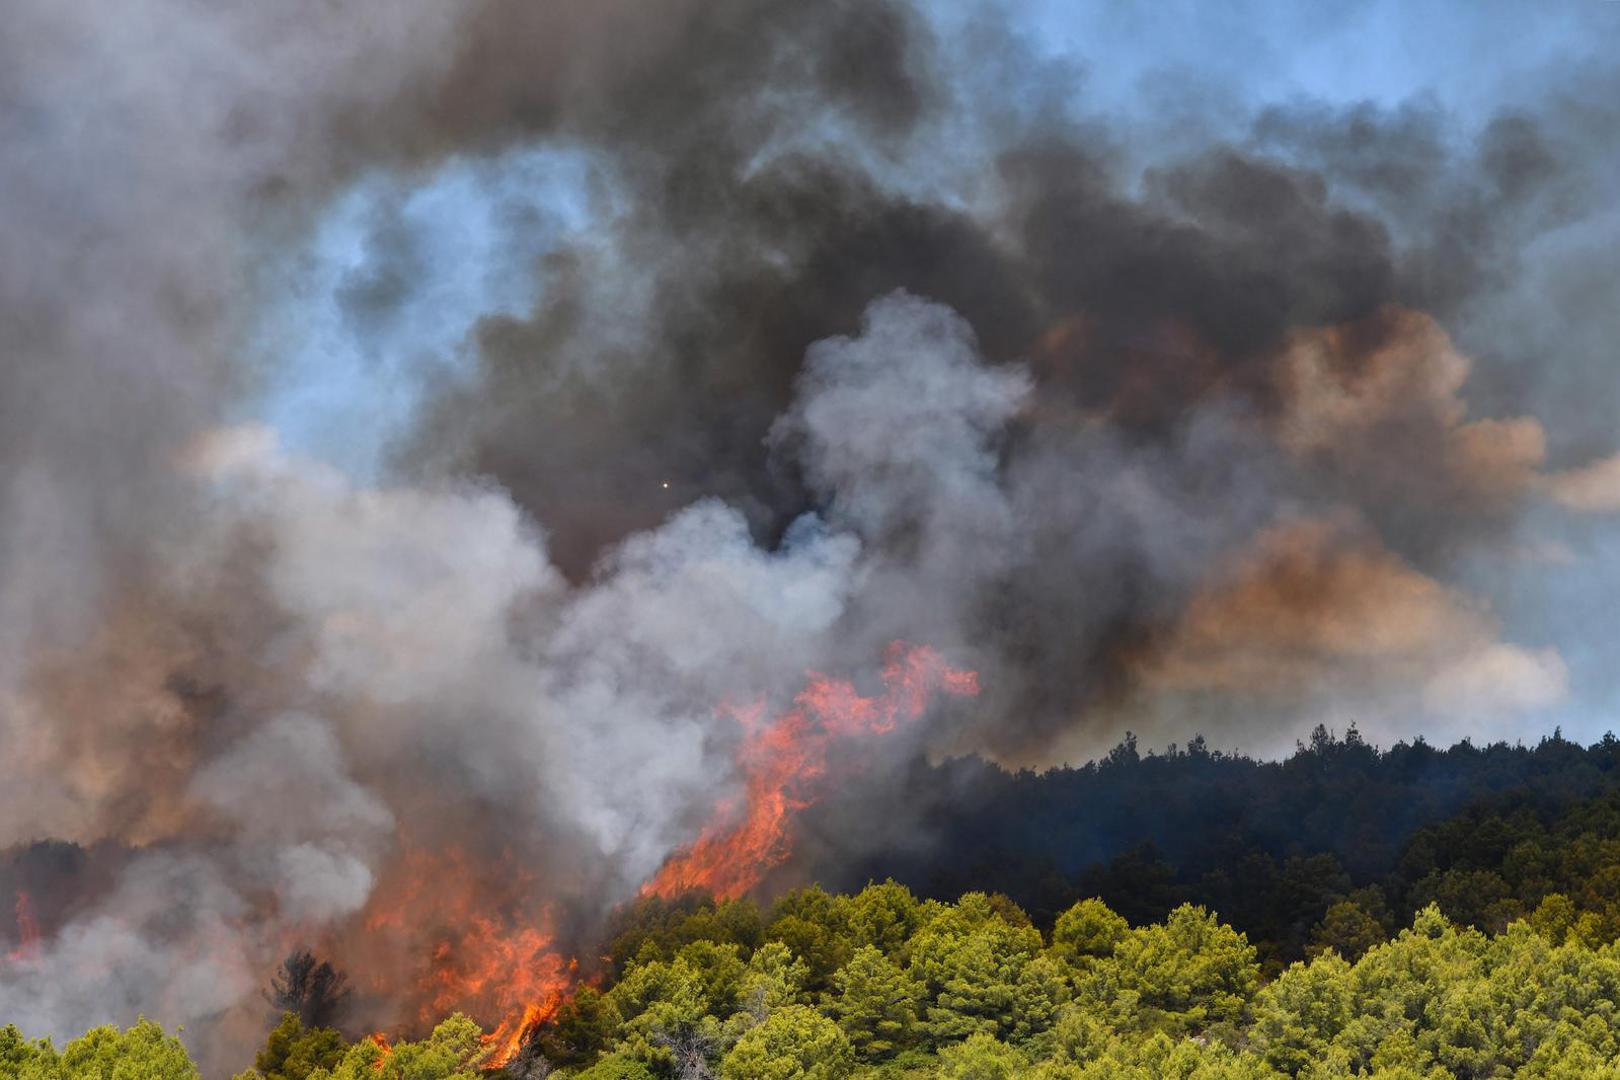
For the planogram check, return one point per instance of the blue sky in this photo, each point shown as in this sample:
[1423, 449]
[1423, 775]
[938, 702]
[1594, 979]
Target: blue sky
[341, 388]
[1471, 55]
[474, 231]
[350, 342]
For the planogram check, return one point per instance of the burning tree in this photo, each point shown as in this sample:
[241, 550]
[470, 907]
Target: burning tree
[785, 760]
[312, 990]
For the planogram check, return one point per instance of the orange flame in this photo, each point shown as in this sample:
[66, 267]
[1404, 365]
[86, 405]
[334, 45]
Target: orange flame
[490, 952]
[380, 1039]
[481, 950]
[514, 1031]
[27, 930]
[784, 763]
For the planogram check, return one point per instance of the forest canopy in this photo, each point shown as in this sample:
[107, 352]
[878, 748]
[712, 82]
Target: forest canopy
[1264, 941]
[971, 991]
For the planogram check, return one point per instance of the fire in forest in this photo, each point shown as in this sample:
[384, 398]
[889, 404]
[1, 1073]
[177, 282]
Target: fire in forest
[27, 930]
[463, 934]
[491, 956]
[433, 453]
[784, 762]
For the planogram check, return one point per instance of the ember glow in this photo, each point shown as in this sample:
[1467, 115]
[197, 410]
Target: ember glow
[784, 761]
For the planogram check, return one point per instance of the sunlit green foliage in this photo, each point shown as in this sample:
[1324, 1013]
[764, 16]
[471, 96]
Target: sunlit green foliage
[293, 1051]
[876, 1003]
[1182, 976]
[883, 986]
[794, 1043]
[1086, 933]
[616, 1067]
[454, 1051]
[140, 1052]
[971, 991]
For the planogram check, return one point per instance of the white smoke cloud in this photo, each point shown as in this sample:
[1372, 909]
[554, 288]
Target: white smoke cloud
[162, 142]
[896, 424]
[682, 620]
[424, 627]
[298, 823]
[898, 430]
[173, 941]
[1593, 488]
[1498, 681]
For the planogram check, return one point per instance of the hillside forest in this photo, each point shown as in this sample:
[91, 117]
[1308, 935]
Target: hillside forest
[1470, 929]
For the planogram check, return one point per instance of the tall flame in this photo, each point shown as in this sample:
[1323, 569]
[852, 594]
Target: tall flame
[485, 951]
[379, 1039]
[784, 763]
[498, 958]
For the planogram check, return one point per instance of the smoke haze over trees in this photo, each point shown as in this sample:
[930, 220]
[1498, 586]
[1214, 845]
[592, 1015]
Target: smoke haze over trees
[425, 433]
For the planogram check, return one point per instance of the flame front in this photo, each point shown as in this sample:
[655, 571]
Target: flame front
[514, 1031]
[380, 1040]
[482, 950]
[491, 953]
[784, 763]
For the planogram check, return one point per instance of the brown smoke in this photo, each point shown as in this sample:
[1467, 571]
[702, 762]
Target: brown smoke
[876, 333]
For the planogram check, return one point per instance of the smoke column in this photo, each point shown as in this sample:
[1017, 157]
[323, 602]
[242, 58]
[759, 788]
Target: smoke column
[419, 429]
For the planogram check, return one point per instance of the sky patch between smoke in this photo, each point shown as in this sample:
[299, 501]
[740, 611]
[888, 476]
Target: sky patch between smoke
[382, 307]
[380, 301]
[378, 305]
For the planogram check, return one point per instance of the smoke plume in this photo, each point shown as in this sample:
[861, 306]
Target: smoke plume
[780, 332]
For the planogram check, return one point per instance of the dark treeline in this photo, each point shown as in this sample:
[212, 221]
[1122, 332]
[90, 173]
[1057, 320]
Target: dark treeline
[1271, 845]
[1401, 914]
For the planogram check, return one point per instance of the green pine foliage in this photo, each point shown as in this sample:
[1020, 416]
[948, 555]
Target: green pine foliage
[293, 1052]
[877, 1003]
[139, 1052]
[1489, 949]
[973, 992]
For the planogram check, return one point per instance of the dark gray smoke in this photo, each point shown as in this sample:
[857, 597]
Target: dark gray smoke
[877, 327]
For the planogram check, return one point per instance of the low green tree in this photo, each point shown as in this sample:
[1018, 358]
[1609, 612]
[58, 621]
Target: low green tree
[979, 973]
[138, 1052]
[981, 1057]
[582, 1028]
[815, 925]
[774, 977]
[1182, 976]
[876, 1004]
[719, 970]
[616, 1067]
[20, 1056]
[794, 1043]
[1347, 929]
[665, 1017]
[454, 1050]
[1087, 932]
[884, 916]
[1557, 919]
[292, 1051]
[1298, 1016]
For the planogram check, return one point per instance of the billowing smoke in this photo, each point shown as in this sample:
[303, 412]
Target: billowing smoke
[416, 426]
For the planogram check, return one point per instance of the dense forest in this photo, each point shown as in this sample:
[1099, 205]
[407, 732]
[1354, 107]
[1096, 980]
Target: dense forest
[1271, 845]
[1411, 913]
